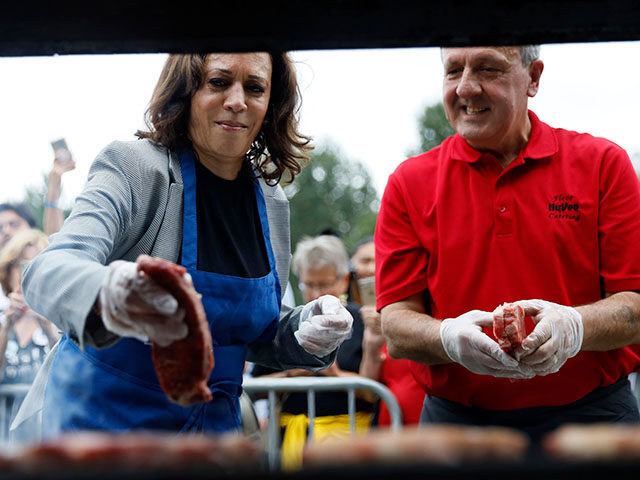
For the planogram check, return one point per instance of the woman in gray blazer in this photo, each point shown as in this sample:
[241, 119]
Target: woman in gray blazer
[200, 188]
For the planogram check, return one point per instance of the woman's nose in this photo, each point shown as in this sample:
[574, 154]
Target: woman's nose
[235, 100]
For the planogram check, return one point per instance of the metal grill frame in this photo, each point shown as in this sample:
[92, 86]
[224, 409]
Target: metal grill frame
[8, 391]
[311, 385]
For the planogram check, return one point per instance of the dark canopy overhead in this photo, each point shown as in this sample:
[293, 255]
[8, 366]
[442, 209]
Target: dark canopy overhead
[44, 28]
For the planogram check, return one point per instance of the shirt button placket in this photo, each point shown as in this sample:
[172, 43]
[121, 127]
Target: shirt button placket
[503, 210]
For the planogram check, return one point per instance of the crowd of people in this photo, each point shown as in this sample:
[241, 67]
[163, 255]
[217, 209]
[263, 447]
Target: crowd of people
[508, 210]
[26, 337]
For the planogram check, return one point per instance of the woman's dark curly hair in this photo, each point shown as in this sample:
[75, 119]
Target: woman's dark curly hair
[278, 149]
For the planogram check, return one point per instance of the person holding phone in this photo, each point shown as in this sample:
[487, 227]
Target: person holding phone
[62, 162]
[200, 188]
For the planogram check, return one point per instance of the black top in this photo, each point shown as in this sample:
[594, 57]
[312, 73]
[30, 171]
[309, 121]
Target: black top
[21, 364]
[349, 357]
[230, 240]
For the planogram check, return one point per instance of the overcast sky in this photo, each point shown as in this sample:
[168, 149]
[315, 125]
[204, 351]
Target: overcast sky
[365, 101]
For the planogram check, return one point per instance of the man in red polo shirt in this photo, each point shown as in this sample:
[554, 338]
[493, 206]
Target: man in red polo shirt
[512, 210]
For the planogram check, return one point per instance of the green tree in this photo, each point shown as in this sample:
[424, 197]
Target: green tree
[332, 192]
[34, 196]
[433, 128]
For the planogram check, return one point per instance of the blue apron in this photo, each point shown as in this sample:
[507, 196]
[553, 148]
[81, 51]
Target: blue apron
[117, 388]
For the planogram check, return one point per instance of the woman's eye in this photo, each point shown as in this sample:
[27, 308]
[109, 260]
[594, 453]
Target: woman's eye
[217, 82]
[255, 88]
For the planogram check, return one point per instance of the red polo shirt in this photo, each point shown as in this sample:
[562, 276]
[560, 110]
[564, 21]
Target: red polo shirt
[560, 223]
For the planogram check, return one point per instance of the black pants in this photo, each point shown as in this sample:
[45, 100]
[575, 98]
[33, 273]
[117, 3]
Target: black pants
[614, 403]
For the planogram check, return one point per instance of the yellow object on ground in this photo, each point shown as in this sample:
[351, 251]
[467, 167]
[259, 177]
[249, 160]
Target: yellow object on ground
[325, 428]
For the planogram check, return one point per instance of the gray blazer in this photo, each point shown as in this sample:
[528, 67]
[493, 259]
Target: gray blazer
[133, 204]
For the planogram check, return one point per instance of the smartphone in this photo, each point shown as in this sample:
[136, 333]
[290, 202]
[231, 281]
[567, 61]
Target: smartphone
[367, 287]
[61, 150]
[59, 144]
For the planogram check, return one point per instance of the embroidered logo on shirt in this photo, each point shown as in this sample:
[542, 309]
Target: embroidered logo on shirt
[564, 207]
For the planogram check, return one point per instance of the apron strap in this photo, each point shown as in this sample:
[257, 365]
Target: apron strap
[190, 220]
[264, 222]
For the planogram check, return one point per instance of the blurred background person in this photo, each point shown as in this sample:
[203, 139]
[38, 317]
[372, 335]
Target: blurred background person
[322, 265]
[376, 362]
[363, 258]
[14, 218]
[25, 336]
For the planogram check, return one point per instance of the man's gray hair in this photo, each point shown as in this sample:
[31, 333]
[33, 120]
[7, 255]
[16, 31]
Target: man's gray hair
[529, 53]
[320, 252]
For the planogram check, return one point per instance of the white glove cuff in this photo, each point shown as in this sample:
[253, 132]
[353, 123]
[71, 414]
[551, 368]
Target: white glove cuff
[577, 328]
[444, 328]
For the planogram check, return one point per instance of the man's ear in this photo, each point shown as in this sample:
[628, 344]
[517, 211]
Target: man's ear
[535, 72]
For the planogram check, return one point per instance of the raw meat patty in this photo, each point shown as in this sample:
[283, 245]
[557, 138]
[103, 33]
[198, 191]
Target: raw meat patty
[183, 367]
[596, 442]
[101, 452]
[509, 328]
[438, 444]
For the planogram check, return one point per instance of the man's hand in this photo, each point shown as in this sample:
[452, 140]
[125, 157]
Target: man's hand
[332, 370]
[465, 343]
[133, 305]
[372, 338]
[298, 372]
[371, 319]
[324, 325]
[557, 336]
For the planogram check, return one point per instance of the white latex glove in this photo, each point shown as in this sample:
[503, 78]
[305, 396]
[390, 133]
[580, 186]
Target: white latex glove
[324, 325]
[557, 336]
[465, 343]
[132, 305]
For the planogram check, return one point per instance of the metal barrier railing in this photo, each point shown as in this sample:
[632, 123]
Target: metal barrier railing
[311, 385]
[9, 392]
